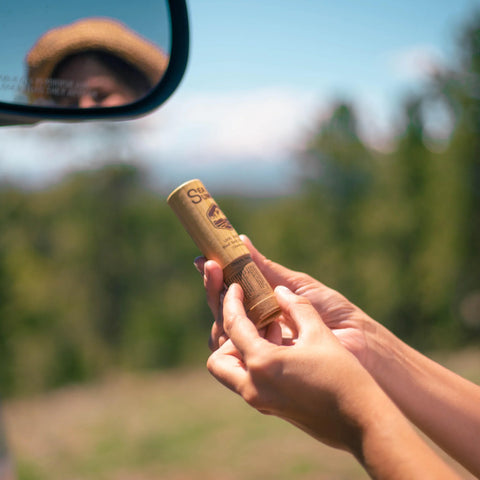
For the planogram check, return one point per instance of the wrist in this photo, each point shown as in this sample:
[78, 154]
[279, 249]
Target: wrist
[389, 448]
[384, 351]
[378, 424]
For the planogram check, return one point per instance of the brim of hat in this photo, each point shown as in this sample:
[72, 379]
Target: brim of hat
[95, 34]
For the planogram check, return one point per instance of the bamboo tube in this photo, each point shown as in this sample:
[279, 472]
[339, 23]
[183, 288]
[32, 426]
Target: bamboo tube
[217, 240]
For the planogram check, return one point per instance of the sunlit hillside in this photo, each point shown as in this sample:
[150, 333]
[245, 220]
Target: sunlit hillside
[176, 425]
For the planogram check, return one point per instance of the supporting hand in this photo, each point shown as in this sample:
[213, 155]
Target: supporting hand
[320, 387]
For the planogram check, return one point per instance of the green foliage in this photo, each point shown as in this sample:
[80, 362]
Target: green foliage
[94, 272]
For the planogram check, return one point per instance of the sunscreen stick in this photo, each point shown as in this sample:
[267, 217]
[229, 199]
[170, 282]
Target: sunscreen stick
[217, 240]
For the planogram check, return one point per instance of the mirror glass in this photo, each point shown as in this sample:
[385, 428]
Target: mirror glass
[82, 54]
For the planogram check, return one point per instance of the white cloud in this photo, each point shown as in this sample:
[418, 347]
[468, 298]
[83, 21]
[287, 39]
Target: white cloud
[261, 126]
[261, 129]
[417, 62]
[261, 123]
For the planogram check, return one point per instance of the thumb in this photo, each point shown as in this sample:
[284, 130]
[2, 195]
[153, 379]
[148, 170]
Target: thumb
[240, 329]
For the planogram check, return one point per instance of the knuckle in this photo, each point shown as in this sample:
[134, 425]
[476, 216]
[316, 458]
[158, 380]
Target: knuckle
[258, 400]
[230, 319]
[301, 300]
[266, 263]
[264, 259]
[211, 363]
[263, 367]
[258, 390]
[251, 395]
[298, 304]
[258, 365]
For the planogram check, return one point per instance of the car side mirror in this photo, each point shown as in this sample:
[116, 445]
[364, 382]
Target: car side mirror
[65, 61]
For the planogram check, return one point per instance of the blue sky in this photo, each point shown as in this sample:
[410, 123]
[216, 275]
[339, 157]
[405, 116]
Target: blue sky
[312, 44]
[260, 76]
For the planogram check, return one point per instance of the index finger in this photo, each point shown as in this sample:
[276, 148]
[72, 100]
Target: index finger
[275, 273]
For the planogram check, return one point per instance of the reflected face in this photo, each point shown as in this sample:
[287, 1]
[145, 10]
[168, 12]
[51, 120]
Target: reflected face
[95, 85]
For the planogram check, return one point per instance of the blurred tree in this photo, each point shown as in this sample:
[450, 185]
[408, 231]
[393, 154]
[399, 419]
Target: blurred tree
[93, 275]
[338, 184]
[404, 227]
[465, 152]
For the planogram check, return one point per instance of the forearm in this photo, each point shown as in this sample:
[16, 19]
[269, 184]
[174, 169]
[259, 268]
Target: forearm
[391, 449]
[381, 438]
[442, 404]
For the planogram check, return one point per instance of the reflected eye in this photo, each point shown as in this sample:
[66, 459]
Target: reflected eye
[98, 95]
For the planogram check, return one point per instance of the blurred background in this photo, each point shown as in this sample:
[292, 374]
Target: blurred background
[343, 138]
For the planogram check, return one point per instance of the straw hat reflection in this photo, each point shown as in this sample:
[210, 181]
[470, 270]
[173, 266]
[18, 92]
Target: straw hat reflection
[92, 35]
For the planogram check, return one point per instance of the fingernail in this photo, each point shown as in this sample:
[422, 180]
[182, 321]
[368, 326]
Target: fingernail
[283, 290]
[236, 289]
[247, 240]
[197, 263]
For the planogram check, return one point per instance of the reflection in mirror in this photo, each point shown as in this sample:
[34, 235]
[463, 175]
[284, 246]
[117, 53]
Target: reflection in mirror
[100, 54]
[95, 62]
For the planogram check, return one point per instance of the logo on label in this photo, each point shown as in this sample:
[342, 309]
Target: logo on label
[218, 218]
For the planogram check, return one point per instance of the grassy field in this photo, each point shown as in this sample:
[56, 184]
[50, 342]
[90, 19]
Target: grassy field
[175, 425]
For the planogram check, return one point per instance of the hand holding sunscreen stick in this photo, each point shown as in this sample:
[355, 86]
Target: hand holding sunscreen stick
[217, 240]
